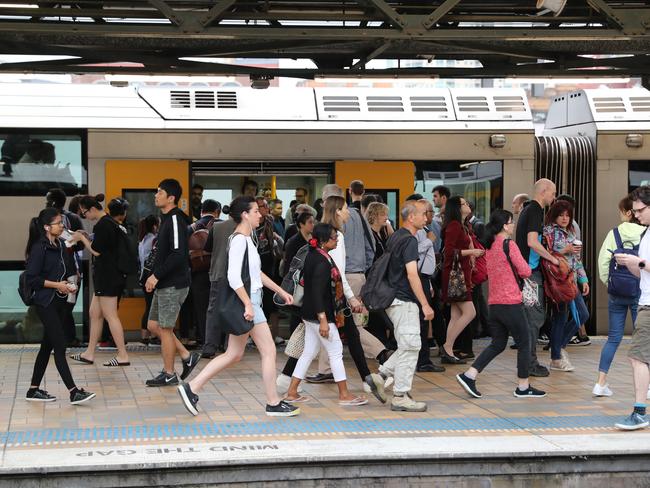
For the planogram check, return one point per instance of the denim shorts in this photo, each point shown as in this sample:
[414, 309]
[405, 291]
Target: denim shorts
[258, 313]
[166, 305]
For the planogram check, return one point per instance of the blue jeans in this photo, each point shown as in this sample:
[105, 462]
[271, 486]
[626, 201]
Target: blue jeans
[564, 327]
[617, 310]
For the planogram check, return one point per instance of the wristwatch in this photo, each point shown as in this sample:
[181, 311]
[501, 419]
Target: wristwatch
[641, 264]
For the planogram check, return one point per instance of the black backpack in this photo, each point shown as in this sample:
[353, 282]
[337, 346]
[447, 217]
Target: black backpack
[25, 291]
[378, 293]
[293, 278]
[621, 282]
[127, 257]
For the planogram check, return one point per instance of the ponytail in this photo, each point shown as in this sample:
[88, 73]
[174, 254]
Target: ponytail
[37, 227]
[498, 219]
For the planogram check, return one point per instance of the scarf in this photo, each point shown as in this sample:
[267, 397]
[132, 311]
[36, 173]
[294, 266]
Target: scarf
[336, 281]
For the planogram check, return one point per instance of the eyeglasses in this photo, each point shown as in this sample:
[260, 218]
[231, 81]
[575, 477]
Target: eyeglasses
[637, 211]
[60, 222]
[83, 213]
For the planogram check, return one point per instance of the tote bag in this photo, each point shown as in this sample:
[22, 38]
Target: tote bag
[457, 288]
[229, 308]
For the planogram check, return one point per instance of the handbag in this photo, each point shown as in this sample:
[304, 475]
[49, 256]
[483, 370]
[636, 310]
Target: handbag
[229, 307]
[296, 343]
[479, 270]
[529, 289]
[456, 288]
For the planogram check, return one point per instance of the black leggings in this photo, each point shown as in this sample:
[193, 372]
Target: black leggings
[52, 317]
[354, 346]
[504, 320]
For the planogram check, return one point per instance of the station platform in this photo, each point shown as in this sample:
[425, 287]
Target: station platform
[131, 435]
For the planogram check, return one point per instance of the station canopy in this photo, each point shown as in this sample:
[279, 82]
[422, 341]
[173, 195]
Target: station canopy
[443, 38]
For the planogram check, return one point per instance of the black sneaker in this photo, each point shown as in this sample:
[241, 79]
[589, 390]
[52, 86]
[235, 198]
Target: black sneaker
[163, 379]
[469, 385]
[539, 371]
[320, 378]
[80, 396]
[38, 395]
[190, 364]
[208, 352]
[190, 399]
[580, 341]
[282, 409]
[529, 392]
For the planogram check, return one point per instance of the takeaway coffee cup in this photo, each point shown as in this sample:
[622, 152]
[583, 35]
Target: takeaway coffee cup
[577, 246]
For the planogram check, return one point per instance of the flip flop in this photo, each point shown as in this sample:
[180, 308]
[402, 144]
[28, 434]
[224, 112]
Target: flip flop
[114, 362]
[300, 399]
[355, 402]
[80, 359]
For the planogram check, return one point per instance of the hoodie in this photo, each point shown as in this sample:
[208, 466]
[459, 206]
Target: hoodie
[172, 264]
[630, 235]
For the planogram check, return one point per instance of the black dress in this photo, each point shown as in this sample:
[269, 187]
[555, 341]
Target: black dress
[107, 279]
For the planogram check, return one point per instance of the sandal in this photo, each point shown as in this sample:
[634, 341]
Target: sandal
[355, 402]
[300, 399]
[79, 358]
[114, 362]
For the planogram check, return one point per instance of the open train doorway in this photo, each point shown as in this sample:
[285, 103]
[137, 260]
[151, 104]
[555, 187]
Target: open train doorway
[288, 182]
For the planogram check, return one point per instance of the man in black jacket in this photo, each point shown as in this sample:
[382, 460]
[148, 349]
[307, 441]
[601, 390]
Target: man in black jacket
[170, 283]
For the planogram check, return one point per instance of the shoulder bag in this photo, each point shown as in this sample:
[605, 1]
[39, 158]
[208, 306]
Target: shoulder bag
[229, 307]
[456, 288]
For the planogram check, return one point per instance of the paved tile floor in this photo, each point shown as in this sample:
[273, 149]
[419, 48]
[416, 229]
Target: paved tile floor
[232, 404]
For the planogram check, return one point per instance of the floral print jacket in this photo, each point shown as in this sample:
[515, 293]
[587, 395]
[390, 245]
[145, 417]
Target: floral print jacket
[560, 239]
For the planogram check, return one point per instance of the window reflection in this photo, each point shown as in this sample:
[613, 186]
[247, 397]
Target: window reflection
[480, 182]
[33, 162]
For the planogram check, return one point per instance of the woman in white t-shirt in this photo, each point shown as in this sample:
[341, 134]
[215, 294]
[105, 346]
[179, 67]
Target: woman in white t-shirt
[245, 212]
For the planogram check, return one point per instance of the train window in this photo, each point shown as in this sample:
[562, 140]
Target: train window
[480, 182]
[34, 161]
[18, 323]
[639, 174]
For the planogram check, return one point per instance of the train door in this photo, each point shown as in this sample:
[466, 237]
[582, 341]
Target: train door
[283, 181]
[393, 180]
[136, 181]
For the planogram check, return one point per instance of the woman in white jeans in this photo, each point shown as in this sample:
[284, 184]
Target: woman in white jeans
[322, 312]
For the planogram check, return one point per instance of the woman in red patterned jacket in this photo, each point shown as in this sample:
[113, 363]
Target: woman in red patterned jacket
[458, 243]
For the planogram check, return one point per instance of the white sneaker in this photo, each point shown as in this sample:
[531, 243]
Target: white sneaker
[564, 355]
[282, 383]
[279, 341]
[602, 391]
[563, 365]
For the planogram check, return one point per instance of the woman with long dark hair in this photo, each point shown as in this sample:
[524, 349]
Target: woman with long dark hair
[108, 281]
[566, 318]
[147, 231]
[246, 214]
[323, 313]
[506, 311]
[458, 246]
[49, 266]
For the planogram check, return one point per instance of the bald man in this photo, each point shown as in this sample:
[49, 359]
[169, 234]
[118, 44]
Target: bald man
[529, 240]
[518, 203]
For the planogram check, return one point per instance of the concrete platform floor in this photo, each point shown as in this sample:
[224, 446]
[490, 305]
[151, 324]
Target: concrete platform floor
[130, 426]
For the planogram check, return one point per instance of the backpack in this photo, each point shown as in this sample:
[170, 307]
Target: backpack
[127, 257]
[25, 291]
[378, 293]
[621, 282]
[147, 266]
[559, 282]
[293, 282]
[199, 257]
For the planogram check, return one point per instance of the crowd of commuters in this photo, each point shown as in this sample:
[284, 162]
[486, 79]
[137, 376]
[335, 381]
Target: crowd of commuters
[314, 264]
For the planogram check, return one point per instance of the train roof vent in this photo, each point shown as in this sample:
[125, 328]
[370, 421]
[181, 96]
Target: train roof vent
[608, 105]
[384, 104]
[235, 103]
[343, 103]
[204, 99]
[490, 104]
[424, 103]
[179, 99]
[227, 99]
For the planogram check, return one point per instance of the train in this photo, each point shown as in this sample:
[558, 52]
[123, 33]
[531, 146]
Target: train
[122, 140]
